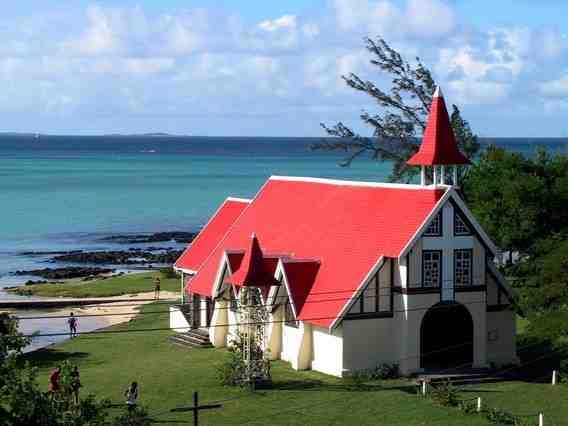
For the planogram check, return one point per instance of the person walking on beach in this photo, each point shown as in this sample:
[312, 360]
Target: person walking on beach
[131, 395]
[75, 384]
[72, 321]
[54, 379]
[157, 288]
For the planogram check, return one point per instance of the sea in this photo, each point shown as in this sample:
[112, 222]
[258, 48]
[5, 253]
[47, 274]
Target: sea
[69, 192]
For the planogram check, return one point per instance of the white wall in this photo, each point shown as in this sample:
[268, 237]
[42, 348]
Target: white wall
[475, 303]
[328, 351]
[178, 323]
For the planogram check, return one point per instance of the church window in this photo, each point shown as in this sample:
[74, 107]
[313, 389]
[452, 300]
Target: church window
[435, 227]
[431, 268]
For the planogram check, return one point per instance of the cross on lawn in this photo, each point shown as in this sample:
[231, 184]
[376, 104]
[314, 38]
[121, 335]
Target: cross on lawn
[196, 408]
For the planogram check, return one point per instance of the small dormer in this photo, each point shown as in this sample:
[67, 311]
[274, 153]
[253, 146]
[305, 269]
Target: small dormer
[439, 148]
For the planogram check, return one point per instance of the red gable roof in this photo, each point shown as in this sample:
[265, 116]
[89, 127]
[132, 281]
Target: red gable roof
[254, 269]
[346, 226]
[201, 247]
[438, 142]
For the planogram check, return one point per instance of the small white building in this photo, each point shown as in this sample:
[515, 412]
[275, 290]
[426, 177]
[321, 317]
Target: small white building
[356, 274]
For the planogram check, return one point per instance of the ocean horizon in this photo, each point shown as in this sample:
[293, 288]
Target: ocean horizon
[68, 192]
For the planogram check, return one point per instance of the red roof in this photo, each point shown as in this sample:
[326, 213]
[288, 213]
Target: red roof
[345, 226]
[201, 247]
[438, 142]
[254, 270]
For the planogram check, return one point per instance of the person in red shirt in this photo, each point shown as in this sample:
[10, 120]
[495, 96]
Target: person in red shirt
[54, 379]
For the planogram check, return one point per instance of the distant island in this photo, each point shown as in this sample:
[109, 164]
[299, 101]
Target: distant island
[114, 135]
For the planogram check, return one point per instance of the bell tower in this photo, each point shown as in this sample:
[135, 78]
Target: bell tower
[439, 148]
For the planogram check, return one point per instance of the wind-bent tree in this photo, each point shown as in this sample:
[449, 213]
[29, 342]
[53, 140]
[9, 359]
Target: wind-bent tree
[401, 118]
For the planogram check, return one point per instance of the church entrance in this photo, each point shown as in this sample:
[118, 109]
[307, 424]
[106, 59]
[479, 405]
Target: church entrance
[446, 337]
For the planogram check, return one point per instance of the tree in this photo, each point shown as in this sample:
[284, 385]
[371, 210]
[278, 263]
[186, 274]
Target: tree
[403, 115]
[22, 403]
[519, 200]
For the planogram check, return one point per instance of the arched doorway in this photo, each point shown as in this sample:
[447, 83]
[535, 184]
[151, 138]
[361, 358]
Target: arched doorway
[446, 337]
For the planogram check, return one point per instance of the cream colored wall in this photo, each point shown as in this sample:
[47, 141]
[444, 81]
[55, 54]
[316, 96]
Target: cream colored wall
[478, 265]
[178, 323]
[492, 290]
[368, 343]
[274, 333]
[501, 338]
[297, 346]
[328, 351]
[415, 265]
[408, 323]
[219, 325]
[476, 305]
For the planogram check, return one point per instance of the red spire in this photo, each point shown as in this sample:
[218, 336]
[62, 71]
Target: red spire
[252, 271]
[438, 143]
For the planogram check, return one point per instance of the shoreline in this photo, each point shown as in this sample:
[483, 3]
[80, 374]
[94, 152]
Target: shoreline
[121, 313]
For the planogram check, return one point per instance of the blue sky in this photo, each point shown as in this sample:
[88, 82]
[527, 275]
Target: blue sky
[227, 67]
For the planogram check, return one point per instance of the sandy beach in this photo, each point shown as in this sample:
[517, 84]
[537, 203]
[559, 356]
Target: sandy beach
[123, 308]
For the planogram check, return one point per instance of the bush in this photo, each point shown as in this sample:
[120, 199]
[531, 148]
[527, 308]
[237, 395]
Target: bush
[468, 407]
[231, 371]
[501, 417]
[168, 272]
[386, 371]
[137, 417]
[563, 371]
[446, 394]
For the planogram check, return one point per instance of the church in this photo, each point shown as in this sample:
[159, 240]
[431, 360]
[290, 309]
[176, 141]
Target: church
[356, 274]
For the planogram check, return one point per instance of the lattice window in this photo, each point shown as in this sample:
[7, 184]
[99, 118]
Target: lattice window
[374, 300]
[435, 227]
[431, 268]
[462, 267]
[289, 317]
[460, 227]
[233, 303]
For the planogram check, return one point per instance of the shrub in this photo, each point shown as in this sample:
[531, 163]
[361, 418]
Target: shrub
[501, 417]
[137, 417]
[386, 371]
[468, 407]
[168, 272]
[231, 371]
[563, 371]
[446, 394]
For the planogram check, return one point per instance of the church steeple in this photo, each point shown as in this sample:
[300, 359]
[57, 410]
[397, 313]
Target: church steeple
[439, 147]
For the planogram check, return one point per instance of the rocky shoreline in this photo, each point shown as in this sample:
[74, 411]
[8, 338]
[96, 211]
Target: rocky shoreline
[97, 263]
[63, 273]
[157, 237]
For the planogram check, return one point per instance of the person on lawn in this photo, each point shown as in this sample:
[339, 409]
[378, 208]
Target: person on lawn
[54, 379]
[157, 288]
[72, 321]
[131, 395]
[75, 384]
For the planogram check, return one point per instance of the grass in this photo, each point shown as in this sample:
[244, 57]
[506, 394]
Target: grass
[169, 374]
[112, 286]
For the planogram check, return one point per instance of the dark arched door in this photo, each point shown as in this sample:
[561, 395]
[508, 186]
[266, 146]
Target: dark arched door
[446, 337]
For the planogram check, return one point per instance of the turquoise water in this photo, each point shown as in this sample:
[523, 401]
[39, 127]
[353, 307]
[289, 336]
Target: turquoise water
[66, 192]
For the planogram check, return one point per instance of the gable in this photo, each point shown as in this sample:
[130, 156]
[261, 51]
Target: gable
[458, 208]
[210, 235]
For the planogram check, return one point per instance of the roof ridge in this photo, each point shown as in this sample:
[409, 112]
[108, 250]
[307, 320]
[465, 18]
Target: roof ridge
[365, 184]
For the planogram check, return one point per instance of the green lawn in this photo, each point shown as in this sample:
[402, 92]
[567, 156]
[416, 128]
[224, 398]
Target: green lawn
[169, 374]
[112, 286]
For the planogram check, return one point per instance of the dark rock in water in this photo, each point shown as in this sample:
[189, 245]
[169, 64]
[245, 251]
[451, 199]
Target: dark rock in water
[32, 282]
[48, 253]
[125, 257]
[65, 273]
[177, 236]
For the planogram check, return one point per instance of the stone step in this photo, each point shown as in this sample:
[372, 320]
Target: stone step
[193, 338]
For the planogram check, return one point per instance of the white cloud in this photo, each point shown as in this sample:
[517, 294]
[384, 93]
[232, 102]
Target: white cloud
[557, 88]
[430, 17]
[286, 21]
[131, 62]
[98, 38]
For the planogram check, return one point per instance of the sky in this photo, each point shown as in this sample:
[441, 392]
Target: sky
[273, 68]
